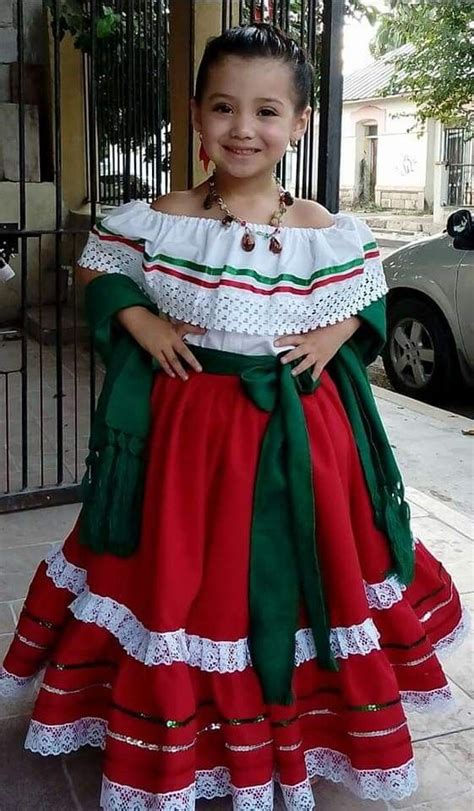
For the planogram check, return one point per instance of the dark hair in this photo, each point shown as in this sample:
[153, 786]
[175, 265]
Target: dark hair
[258, 40]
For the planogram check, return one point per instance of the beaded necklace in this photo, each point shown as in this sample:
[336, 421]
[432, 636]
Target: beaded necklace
[248, 239]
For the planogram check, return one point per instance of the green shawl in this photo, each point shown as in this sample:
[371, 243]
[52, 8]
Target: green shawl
[284, 495]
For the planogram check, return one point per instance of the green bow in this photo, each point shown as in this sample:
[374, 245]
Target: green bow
[284, 563]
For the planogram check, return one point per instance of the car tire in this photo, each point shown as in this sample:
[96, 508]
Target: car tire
[416, 333]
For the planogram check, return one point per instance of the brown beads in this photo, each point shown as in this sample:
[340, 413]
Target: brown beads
[275, 245]
[248, 242]
[208, 201]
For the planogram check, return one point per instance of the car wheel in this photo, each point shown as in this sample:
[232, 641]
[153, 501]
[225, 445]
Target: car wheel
[419, 356]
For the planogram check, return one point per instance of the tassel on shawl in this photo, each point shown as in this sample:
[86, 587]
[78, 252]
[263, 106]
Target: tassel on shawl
[112, 490]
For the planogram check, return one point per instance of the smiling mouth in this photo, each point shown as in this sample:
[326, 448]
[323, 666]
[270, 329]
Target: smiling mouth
[243, 152]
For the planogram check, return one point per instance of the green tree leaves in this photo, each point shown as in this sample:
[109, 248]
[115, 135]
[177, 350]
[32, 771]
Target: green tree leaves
[438, 75]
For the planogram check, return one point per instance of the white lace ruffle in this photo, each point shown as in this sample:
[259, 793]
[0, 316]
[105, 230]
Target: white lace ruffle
[65, 575]
[372, 784]
[115, 797]
[355, 639]
[11, 685]
[243, 312]
[385, 594]
[456, 638]
[152, 647]
[299, 797]
[59, 739]
[369, 784]
[209, 785]
[429, 700]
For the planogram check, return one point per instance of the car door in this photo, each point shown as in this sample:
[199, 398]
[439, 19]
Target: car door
[465, 303]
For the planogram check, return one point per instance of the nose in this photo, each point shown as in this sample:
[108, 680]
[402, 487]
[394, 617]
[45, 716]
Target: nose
[242, 127]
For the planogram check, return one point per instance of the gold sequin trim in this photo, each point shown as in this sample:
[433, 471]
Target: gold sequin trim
[415, 661]
[155, 719]
[377, 733]
[58, 692]
[286, 722]
[174, 724]
[236, 722]
[80, 665]
[373, 707]
[290, 748]
[210, 728]
[45, 623]
[152, 747]
[400, 646]
[429, 614]
[250, 748]
[318, 712]
[29, 642]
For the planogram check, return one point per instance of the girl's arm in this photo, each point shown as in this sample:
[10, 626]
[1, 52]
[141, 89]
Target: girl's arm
[318, 347]
[160, 338]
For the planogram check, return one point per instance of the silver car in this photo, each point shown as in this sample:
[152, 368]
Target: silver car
[430, 309]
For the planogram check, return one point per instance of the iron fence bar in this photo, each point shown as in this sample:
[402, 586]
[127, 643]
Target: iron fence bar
[40, 497]
[75, 365]
[41, 367]
[329, 156]
[158, 129]
[224, 14]
[58, 246]
[148, 98]
[312, 12]
[154, 107]
[129, 104]
[24, 245]
[7, 431]
[132, 82]
[192, 35]
[31, 232]
[93, 176]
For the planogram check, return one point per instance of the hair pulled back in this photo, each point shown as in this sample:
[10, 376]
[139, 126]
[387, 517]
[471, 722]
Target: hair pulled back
[253, 41]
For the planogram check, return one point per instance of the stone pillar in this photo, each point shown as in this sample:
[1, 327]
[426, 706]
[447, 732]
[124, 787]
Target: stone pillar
[180, 69]
[191, 25]
[73, 126]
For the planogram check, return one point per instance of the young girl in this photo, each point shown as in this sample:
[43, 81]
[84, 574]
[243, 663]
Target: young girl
[241, 603]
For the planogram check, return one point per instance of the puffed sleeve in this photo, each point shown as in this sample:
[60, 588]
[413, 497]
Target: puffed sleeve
[116, 242]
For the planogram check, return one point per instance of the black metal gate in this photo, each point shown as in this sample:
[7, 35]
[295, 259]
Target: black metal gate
[457, 150]
[49, 377]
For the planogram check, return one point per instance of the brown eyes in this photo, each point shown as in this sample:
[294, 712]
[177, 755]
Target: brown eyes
[225, 108]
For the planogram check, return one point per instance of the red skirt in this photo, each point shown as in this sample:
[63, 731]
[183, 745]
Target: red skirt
[147, 657]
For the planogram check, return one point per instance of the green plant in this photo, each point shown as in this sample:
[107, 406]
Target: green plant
[437, 74]
[74, 18]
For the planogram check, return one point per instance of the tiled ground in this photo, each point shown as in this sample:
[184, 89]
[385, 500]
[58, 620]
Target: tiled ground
[443, 741]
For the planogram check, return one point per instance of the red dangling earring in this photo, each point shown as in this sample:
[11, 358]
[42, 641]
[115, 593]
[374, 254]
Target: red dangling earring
[203, 156]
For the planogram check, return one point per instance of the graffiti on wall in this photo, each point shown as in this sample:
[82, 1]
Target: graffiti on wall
[405, 165]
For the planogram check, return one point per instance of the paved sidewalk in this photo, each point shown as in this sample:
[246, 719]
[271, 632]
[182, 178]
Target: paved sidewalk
[436, 458]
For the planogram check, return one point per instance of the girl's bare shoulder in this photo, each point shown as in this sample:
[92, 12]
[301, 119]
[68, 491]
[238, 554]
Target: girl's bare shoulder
[309, 214]
[187, 203]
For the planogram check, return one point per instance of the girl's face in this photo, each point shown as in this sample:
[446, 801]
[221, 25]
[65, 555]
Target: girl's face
[247, 115]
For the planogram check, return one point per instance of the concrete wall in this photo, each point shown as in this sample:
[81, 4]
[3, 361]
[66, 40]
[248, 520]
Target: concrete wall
[40, 191]
[403, 180]
[41, 259]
